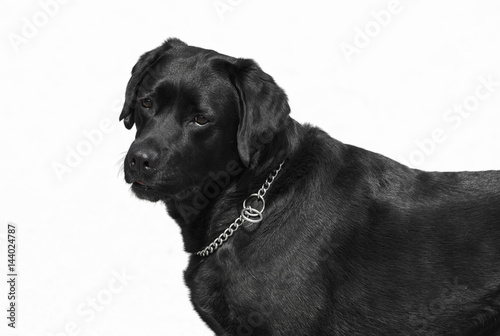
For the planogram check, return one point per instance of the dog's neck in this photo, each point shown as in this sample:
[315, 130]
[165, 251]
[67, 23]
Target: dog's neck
[201, 218]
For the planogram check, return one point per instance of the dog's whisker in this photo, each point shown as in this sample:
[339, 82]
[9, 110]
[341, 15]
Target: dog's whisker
[121, 164]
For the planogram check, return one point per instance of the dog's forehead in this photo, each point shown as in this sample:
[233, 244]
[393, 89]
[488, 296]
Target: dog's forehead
[185, 62]
[186, 69]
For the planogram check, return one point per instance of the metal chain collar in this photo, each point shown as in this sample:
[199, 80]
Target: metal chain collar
[248, 214]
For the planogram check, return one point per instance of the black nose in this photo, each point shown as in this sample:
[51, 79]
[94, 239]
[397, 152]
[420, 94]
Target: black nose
[143, 160]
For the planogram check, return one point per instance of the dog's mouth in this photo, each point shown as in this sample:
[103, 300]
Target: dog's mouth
[144, 191]
[155, 191]
[141, 185]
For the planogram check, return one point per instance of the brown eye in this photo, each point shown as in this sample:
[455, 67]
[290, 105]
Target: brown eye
[200, 120]
[146, 102]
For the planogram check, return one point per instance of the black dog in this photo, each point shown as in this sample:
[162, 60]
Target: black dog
[349, 243]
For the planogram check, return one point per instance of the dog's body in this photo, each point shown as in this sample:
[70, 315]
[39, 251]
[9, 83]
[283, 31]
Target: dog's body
[351, 242]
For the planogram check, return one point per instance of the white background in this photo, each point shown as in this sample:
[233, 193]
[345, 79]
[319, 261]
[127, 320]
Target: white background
[68, 77]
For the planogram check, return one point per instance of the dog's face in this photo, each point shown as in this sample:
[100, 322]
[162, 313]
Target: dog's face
[195, 110]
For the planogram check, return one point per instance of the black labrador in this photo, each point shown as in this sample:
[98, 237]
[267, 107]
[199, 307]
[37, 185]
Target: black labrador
[292, 232]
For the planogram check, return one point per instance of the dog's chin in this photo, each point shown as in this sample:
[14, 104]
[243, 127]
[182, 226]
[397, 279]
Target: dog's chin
[145, 192]
[164, 192]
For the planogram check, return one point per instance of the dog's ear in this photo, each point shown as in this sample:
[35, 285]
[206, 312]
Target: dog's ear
[263, 108]
[142, 68]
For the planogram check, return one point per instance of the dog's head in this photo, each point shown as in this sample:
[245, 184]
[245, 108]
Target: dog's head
[197, 112]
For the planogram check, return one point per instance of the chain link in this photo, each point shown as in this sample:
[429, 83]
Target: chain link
[247, 214]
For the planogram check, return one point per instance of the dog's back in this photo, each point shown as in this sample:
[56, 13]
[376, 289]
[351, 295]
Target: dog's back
[415, 247]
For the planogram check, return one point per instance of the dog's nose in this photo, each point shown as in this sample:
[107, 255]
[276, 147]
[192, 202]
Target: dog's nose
[144, 160]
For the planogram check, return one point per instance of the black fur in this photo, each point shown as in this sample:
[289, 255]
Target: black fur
[352, 243]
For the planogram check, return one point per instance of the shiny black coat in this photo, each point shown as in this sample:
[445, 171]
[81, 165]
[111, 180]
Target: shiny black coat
[351, 242]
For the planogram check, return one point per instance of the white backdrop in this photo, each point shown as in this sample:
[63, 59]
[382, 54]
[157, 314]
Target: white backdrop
[418, 81]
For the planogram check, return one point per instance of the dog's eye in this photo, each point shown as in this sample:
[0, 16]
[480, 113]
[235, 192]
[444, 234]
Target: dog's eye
[200, 119]
[146, 102]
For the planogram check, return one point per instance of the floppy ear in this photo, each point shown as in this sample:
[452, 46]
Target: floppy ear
[139, 71]
[263, 109]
